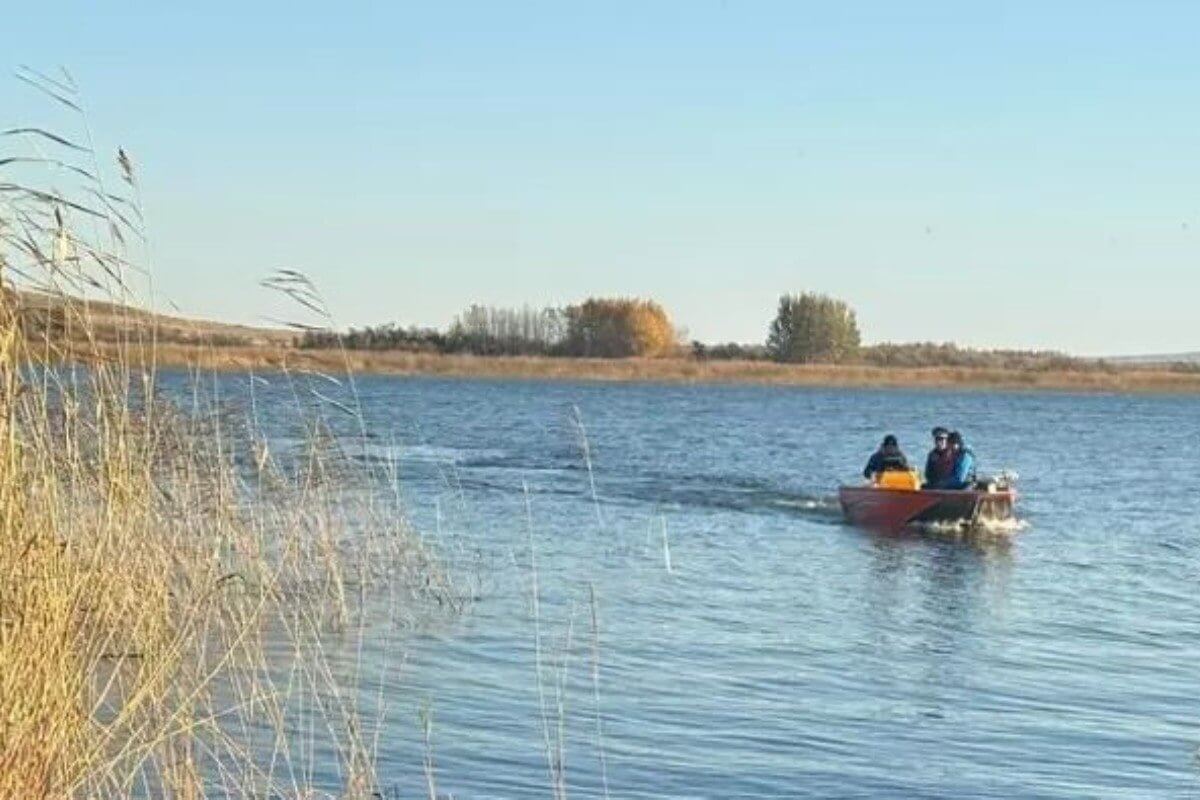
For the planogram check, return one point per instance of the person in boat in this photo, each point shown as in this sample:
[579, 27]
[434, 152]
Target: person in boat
[939, 464]
[887, 458]
[963, 475]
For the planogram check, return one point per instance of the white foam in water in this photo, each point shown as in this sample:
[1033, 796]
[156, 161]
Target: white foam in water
[825, 504]
[807, 505]
[982, 528]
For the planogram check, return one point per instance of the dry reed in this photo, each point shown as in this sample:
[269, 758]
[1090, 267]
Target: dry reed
[281, 357]
[170, 586]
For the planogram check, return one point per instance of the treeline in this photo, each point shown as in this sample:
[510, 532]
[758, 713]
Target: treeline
[926, 354]
[376, 337]
[595, 328]
[808, 328]
[479, 330]
[932, 354]
[811, 328]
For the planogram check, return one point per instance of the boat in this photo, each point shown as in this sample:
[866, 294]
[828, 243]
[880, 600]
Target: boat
[896, 503]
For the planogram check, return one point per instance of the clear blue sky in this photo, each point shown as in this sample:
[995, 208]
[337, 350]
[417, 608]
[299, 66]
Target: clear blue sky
[999, 174]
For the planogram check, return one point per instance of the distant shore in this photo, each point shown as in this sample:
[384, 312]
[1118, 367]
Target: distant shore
[670, 370]
[208, 345]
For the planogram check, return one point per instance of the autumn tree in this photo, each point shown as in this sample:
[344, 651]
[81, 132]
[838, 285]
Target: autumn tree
[618, 328]
[812, 327]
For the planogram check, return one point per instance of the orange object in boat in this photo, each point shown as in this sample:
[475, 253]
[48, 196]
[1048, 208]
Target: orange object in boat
[908, 479]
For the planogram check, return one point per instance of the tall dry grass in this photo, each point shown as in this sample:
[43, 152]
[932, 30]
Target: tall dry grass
[170, 589]
[682, 370]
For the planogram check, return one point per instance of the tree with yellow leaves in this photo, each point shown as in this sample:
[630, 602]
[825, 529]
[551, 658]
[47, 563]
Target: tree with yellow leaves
[618, 328]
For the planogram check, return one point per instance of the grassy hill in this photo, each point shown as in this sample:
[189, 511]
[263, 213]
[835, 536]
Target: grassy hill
[110, 322]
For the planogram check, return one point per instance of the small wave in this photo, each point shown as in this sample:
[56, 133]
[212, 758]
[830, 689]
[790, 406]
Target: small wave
[369, 451]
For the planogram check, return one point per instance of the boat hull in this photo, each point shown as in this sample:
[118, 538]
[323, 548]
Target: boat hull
[894, 509]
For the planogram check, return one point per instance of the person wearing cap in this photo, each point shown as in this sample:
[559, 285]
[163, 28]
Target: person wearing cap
[963, 475]
[939, 464]
[887, 458]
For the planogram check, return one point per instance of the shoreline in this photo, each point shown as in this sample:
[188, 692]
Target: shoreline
[668, 370]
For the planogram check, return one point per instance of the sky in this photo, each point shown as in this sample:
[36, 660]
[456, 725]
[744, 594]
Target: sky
[996, 174]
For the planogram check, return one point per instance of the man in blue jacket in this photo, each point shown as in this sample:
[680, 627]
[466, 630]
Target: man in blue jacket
[963, 476]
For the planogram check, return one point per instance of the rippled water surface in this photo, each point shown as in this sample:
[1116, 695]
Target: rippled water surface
[749, 644]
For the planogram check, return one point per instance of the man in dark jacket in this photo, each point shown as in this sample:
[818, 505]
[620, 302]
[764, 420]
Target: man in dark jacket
[886, 459]
[939, 464]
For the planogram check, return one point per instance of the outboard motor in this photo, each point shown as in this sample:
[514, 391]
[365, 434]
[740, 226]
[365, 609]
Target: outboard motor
[998, 483]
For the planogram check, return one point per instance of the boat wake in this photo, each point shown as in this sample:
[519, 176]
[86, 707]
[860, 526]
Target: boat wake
[817, 506]
[978, 530]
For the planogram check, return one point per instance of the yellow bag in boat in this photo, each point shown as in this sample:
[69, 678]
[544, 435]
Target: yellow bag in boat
[909, 480]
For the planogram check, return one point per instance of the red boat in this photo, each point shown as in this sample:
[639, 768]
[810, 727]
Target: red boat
[893, 509]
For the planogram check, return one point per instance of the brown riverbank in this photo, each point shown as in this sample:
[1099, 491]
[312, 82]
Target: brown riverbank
[670, 370]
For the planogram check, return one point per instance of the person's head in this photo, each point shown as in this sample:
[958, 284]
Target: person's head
[890, 443]
[941, 437]
[955, 440]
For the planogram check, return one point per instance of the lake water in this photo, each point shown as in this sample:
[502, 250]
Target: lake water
[747, 643]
